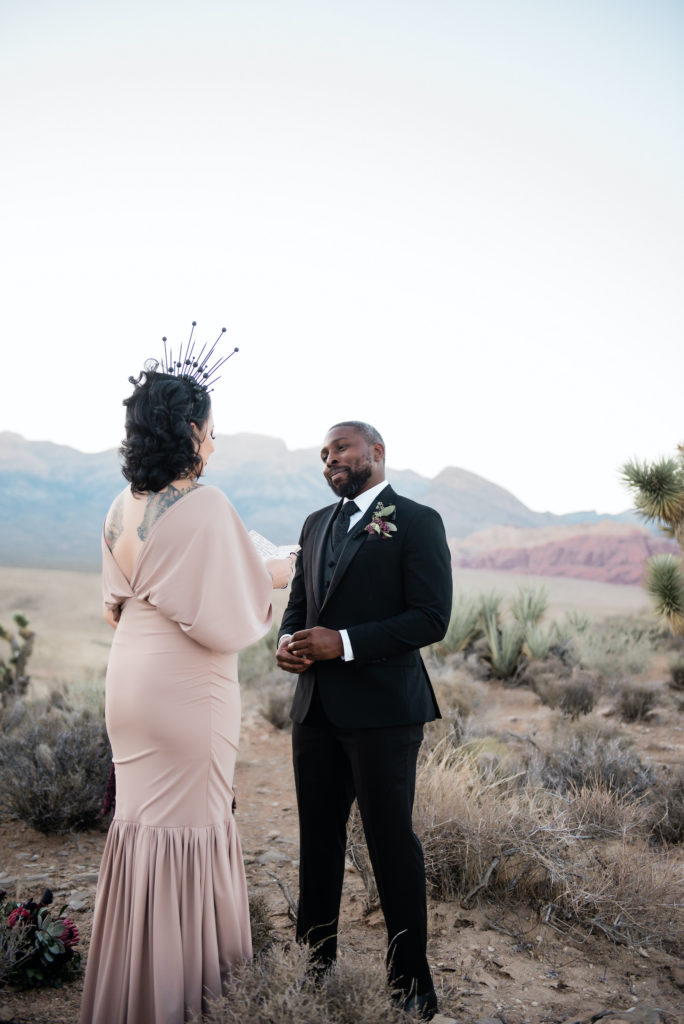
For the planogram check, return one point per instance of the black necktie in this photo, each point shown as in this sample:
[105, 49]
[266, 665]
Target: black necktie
[341, 524]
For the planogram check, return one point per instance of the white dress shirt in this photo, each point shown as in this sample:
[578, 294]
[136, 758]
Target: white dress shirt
[363, 503]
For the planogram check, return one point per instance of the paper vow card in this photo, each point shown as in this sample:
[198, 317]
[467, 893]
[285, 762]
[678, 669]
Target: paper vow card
[267, 549]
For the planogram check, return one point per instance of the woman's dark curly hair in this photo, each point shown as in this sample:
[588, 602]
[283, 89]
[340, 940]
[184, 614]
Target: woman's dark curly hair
[160, 444]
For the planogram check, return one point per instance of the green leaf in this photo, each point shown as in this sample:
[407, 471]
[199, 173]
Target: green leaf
[657, 488]
[665, 584]
[386, 511]
[391, 527]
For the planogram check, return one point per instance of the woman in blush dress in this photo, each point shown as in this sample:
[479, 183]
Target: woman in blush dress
[185, 590]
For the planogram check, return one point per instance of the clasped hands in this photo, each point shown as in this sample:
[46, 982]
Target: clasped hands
[295, 653]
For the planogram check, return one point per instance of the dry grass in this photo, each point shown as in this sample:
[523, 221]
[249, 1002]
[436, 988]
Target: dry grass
[506, 838]
[278, 988]
[665, 809]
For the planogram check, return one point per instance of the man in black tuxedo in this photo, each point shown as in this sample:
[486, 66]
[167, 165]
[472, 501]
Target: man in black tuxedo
[372, 586]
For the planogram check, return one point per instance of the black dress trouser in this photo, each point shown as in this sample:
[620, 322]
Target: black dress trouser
[378, 767]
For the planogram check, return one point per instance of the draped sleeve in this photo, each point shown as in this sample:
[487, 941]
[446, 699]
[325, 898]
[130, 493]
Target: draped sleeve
[115, 587]
[200, 569]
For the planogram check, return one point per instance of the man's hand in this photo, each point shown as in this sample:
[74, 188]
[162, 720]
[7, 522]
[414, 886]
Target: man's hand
[316, 644]
[289, 661]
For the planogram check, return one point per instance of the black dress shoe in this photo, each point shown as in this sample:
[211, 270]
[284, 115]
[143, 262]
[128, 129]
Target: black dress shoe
[425, 1003]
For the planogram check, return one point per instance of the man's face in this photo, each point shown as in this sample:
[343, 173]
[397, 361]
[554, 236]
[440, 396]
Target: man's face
[351, 465]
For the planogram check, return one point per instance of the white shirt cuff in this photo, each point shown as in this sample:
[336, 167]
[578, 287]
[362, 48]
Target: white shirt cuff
[348, 654]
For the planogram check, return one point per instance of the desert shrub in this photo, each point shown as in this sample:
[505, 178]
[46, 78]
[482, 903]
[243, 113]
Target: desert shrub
[635, 702]
[54, 768]
[665, 807]
[529, 605]
[257, 662]
[279, 986]
[275, 701]
[616, 648]
[590, 755]
[676, 667]
[14, 678]
[600, 812]
[503, 840]
[630, 892]
[573, 697]
[457, 692]
[260, 922]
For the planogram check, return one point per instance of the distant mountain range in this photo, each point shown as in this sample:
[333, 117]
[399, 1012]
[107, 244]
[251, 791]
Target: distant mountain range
[53, 499]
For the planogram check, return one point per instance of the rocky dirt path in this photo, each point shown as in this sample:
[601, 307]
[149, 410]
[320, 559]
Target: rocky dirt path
[493, 964]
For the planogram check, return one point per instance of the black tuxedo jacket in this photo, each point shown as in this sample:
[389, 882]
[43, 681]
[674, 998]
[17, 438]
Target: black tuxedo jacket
[393, 596]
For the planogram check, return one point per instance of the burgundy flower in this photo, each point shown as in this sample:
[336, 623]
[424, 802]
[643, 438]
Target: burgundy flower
[379, 523]
[70, 934]
[18, 914]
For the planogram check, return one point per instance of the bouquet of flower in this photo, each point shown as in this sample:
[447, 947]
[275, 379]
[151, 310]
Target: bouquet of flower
[35, 948]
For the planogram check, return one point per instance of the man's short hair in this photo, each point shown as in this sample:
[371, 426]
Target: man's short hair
[368, 433]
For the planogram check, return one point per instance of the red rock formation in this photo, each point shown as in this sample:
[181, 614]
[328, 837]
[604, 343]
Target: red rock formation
[591, 555]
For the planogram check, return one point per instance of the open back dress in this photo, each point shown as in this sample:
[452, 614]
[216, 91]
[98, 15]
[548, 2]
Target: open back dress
[171, 911]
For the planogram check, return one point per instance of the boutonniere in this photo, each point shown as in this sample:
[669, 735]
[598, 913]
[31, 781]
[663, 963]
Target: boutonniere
[379, 523]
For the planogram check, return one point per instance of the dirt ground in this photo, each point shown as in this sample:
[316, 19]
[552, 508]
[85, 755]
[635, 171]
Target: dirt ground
[490, 964]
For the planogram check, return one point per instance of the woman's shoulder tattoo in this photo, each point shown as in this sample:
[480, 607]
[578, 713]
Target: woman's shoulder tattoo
[157, 504]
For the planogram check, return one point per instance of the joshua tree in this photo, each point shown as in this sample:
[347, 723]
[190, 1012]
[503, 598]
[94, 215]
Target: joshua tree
[13, 676]
[658, 490]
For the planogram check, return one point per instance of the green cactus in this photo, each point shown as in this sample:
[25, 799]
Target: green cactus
[658, 491]
[14, 679]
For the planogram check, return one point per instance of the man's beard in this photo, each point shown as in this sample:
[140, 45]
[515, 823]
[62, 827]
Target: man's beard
[352, 482]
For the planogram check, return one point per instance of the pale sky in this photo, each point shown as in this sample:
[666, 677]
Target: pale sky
[462, 221]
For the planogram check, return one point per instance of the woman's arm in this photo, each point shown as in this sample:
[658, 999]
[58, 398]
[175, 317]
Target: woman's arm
[110, 616]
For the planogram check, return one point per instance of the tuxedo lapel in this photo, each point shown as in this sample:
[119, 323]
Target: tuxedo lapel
[319, 551]
[357, 536]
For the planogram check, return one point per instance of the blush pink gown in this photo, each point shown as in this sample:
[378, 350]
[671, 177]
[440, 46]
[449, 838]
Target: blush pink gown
[171, 911]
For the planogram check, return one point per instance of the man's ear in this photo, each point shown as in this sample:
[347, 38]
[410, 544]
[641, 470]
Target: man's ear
[378, 452]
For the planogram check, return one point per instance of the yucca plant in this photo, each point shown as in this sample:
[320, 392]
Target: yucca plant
[539, 640]
[504, 643]
[465, 625]
[490, 607]
[528, 605]
[658, 491]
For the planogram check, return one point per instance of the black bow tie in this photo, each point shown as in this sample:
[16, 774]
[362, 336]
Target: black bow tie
[341, 524]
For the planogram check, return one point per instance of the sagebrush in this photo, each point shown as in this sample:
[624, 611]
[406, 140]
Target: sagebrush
[54, 769]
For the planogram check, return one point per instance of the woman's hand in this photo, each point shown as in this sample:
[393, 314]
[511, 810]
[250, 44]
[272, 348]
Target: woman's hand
[281, 570]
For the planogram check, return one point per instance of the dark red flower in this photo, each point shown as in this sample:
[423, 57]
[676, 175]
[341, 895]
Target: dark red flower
[70, 934]
[18, 914]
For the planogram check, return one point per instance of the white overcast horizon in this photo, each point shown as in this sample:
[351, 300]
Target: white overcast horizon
[462, 222]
